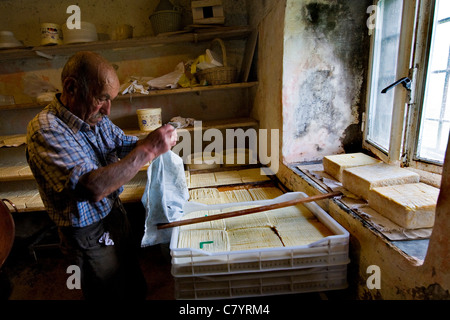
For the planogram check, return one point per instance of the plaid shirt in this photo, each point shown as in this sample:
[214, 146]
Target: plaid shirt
[62, 148]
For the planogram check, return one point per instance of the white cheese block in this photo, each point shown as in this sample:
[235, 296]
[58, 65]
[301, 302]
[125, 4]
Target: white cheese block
[203, 193]
[360, 180]
[208, 240]
[227, 177]
[334, 165]
[265, 193]
[278, 216]
[253, 175]
[253, 238]
[298, 232]
[411, 206]
[208, 225]
[199, 180]
[253, 220]
[238, 195]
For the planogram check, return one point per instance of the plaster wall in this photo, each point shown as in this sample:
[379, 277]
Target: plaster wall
[315, 101]
[324, 63]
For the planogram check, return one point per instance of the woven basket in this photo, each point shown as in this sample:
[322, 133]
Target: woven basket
[165, 21]
[219, 75]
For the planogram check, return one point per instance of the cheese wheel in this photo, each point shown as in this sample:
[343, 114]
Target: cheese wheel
[411, 206]
[360, 180]
[334, 165]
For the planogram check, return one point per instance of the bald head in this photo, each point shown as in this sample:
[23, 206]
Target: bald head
[87, 80]
[91, 71]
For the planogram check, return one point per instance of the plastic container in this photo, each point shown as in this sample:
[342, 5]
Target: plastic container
[7, 40]
[86, 33]
[329, 251]
[51, 34]
[149, 119]
[262, 284]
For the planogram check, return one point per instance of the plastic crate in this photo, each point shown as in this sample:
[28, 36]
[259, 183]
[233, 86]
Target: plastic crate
[329, 251]
[262, 283]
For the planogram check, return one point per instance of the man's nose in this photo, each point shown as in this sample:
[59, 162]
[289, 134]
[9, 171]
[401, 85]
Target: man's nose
[106, 107]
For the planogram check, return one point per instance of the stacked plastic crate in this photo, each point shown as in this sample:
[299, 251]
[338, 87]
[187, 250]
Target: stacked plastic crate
[318, 266]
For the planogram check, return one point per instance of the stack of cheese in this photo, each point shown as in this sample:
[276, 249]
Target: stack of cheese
[227, 177]
[394, 192]
[290, 226]
[214, 196]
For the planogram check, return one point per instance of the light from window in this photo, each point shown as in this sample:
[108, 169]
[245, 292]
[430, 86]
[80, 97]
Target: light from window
[384, 71]
[435, 121]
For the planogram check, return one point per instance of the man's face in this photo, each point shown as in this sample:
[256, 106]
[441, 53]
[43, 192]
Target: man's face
[99, 105]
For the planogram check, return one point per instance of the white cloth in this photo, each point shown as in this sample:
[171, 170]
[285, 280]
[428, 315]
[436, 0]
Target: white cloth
[165, 194]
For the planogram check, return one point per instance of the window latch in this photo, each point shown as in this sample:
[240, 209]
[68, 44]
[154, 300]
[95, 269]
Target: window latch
[406, 82]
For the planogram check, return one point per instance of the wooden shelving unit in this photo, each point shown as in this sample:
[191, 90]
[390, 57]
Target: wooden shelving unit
[151, 93]
[169, 38]
[27, 198]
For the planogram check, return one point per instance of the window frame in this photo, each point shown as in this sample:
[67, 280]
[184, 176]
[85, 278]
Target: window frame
[414, 47]
[421, 57]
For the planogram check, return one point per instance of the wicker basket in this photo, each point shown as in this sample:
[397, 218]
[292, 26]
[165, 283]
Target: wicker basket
[219, 75]
[165, 21]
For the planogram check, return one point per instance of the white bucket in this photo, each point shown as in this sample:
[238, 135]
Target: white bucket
[149, 119]
[51, 33]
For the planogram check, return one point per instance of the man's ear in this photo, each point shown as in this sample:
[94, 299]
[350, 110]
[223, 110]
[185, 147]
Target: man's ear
[70, 86]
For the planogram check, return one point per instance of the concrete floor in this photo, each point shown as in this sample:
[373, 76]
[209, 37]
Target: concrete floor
[45, 279]
[23, 278]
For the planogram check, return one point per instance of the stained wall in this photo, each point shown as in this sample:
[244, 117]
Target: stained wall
[324, 65]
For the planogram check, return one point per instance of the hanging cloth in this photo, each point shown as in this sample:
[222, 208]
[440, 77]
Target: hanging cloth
[165, 194]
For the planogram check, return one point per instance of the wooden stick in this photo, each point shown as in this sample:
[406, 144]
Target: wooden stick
[250, 210]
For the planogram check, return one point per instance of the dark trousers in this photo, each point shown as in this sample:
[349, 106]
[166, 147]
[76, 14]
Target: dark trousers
[107, 271]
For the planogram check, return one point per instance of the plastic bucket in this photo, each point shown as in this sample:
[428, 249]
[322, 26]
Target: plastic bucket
[51, 33]
[149, 119]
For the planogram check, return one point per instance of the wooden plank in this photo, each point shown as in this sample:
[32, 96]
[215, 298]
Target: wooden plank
[151, 93]
[68, 49]
[248, 57]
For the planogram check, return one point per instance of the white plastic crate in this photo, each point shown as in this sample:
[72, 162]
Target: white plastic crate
[329, 251]
[262, 283]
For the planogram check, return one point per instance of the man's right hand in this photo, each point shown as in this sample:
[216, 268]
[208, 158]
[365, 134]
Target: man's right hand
[159, 141]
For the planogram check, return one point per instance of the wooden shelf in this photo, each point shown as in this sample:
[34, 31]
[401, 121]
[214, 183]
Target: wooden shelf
[22, 172]
[162, 39]
[238, 85]
[212, 124]
[29, 200]
[152, 93]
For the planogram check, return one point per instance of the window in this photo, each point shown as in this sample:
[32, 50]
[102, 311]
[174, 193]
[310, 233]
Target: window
[435, 119]
[407, 120]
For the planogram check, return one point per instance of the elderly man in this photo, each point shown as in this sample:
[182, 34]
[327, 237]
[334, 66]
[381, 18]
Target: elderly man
[73, 150]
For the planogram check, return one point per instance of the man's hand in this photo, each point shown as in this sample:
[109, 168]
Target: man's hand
[159, 141]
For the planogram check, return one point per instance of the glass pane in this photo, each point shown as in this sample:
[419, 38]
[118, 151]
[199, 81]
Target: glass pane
[435, 121]
[386, 47]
